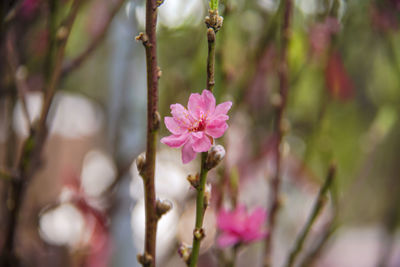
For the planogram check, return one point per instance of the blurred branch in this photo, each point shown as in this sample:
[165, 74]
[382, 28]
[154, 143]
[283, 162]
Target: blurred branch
[9, 15]
[5, 175]
[33, 145]
[63, 33]
[319, 245]
[19, 73]
[318, 206]
[279, 126]
[95, 42]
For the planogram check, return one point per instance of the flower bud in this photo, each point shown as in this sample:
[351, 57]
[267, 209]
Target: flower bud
[145, 259]
[214, 157]
[163, 207]
[185, 252]
[62, 33]
[194, 180]
[140, 163]
[214, 20]
[21, 73]
[159, 2]
[156, 120]
[198, 233]
[207, 195]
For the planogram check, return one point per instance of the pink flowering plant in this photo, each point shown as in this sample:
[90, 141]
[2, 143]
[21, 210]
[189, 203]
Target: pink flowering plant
[196, 127]
[240, 227]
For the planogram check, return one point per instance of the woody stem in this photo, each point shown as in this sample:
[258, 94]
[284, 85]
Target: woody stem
[153, 122]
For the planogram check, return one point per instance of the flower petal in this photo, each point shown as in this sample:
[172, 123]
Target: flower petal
[201, 142]
[216, 128]
[224, 220]
[188, 153]
[256, 218]
[227, 240]
[175, 140]
[253, 236]
[196, 105]
[181, 115]
[209, 102]
[201, 105]
[174, 126]
[221, 110]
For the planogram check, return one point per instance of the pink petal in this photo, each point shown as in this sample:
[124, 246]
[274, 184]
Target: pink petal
[224, 220]
[216, 128]
[175, 140]
[173, 126]
[227, 240]
[256, 219]
[196, 105]
[201, 105]
[254, 236]
[209, 102]
[188, 153]
[181, 115]
[201, 142]
[221, 110]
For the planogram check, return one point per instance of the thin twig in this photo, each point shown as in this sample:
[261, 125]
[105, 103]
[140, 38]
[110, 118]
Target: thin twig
[319, 245]
[211, 59]
[280, 128]
[95, 42]
[148, 259]
[20, 78]
[318, 206]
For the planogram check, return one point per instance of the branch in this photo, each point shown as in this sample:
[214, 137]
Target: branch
[33, 145]
[214, 23]
[318, 206]
[201, 206]
[95, 42]
[148, 259]
[19, 75]
[63, 33]
[279, 126]
[320, 244]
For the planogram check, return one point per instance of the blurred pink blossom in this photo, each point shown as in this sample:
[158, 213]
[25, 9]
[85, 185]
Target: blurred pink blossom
[194, 128]
[321, 34]
[337, 79]
[29, 7]
[238, 226]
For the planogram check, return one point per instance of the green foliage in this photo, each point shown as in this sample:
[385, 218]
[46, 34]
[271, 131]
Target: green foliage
[214, 4]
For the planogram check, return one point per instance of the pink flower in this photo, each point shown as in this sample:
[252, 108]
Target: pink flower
[238, 226]
[194, 128]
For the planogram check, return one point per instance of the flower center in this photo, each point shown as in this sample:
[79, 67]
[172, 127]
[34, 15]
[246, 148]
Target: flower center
[199, 125]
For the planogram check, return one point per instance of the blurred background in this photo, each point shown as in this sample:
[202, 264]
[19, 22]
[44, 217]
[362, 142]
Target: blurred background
[84, 204]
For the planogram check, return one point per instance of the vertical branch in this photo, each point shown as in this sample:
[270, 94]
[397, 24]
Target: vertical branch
[318, 206]
[201, 205]
[214, 23]
[153, 121]
[210, 59]
[279, 126]
[19, 74]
